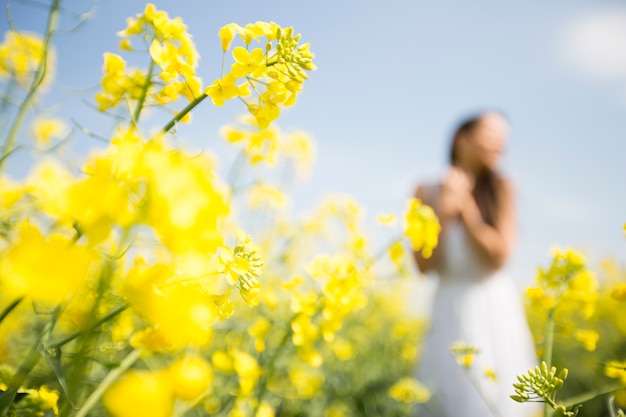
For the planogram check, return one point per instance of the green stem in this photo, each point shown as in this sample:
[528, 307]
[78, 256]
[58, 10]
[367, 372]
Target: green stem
[6, 97]
[27, 365]
[37, 81]
[144, 93]
[591, 394]
[234, 170]
[108, 381]
[10, 308]
[271, 369]
[89, 329]
[610, 403]
[549, 339]
[547, 349]
[490, 404]
[183, 113]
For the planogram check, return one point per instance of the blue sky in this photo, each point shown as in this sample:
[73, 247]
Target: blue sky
[394, 78]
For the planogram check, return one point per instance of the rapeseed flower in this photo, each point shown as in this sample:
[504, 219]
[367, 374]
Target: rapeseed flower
[409, 390]
[48, 268]
[149, 393]
[421, 227]
[21, 54]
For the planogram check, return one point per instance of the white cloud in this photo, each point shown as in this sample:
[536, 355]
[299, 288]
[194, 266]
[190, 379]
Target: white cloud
[595, 43]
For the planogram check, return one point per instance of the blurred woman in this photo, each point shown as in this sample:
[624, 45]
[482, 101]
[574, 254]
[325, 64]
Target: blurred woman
[475, 302]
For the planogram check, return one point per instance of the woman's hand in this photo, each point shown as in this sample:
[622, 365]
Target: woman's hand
[456, 190]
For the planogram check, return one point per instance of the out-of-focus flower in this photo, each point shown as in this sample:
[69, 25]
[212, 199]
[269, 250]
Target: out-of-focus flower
[588, 338]
[421, 227]
[619, 292]
[20, 57]
[48, 129]
[566, 279]
[47, 268]
[190, 376]
[140, 394]
[267, 196]
[463, 353]
[409, 390]
[386, 219]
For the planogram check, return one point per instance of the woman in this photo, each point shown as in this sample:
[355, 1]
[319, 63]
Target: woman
[475, 302]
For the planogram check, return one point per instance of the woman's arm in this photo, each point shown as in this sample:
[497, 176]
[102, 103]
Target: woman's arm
[494, 243]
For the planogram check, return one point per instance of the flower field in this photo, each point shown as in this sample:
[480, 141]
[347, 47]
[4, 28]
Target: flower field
[139, 282]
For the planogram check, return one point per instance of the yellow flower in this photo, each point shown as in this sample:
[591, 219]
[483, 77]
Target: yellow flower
[619, 292]
[222, 361]
[252, 63]
[306, 380]
[490, 373]
[190, 376]
[20, 57]
[225, 89]
[265, 410]
[396, 254]
[409, 390]
[342, 349]
[386, 219]
[616, 369]
[232, 135]
[227, 33]
[259, 331]
[310, 356]
[304, 332]
[180, 314]
[567, 279]
[46, 268]
[300, 147]
[232, 267]
[264, 112]
[140, 394]
[50, 184]
[463, 353]
[49, 398]
[247, 369]
[10, 193]
[266, 195]
[125, 45]
[588, 338]
[421, 227]
[45, 129]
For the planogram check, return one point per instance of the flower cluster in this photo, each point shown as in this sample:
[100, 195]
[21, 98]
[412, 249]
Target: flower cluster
[268, 144]
[274, 71]
[171, 49]
[21, 54]
[119, 277]
[541, 384]
[567, 279]
[409, 390]
[463, 353]
[422, 227]
[153, 393]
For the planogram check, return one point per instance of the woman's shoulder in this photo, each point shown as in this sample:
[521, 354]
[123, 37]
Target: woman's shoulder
[427, 191]
[505, 184]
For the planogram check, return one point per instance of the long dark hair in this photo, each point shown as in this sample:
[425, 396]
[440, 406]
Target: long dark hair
[488, 183]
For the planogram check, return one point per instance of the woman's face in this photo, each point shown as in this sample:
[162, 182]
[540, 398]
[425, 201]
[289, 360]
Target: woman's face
[485, 143]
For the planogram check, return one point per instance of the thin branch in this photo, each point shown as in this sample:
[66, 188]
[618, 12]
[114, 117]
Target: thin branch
[37, 82]
[10, 308]
[183, 113]
[88, 132]
[106, 113]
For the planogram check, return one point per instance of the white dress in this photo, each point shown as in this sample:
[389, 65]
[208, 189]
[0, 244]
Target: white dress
[483, 309]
